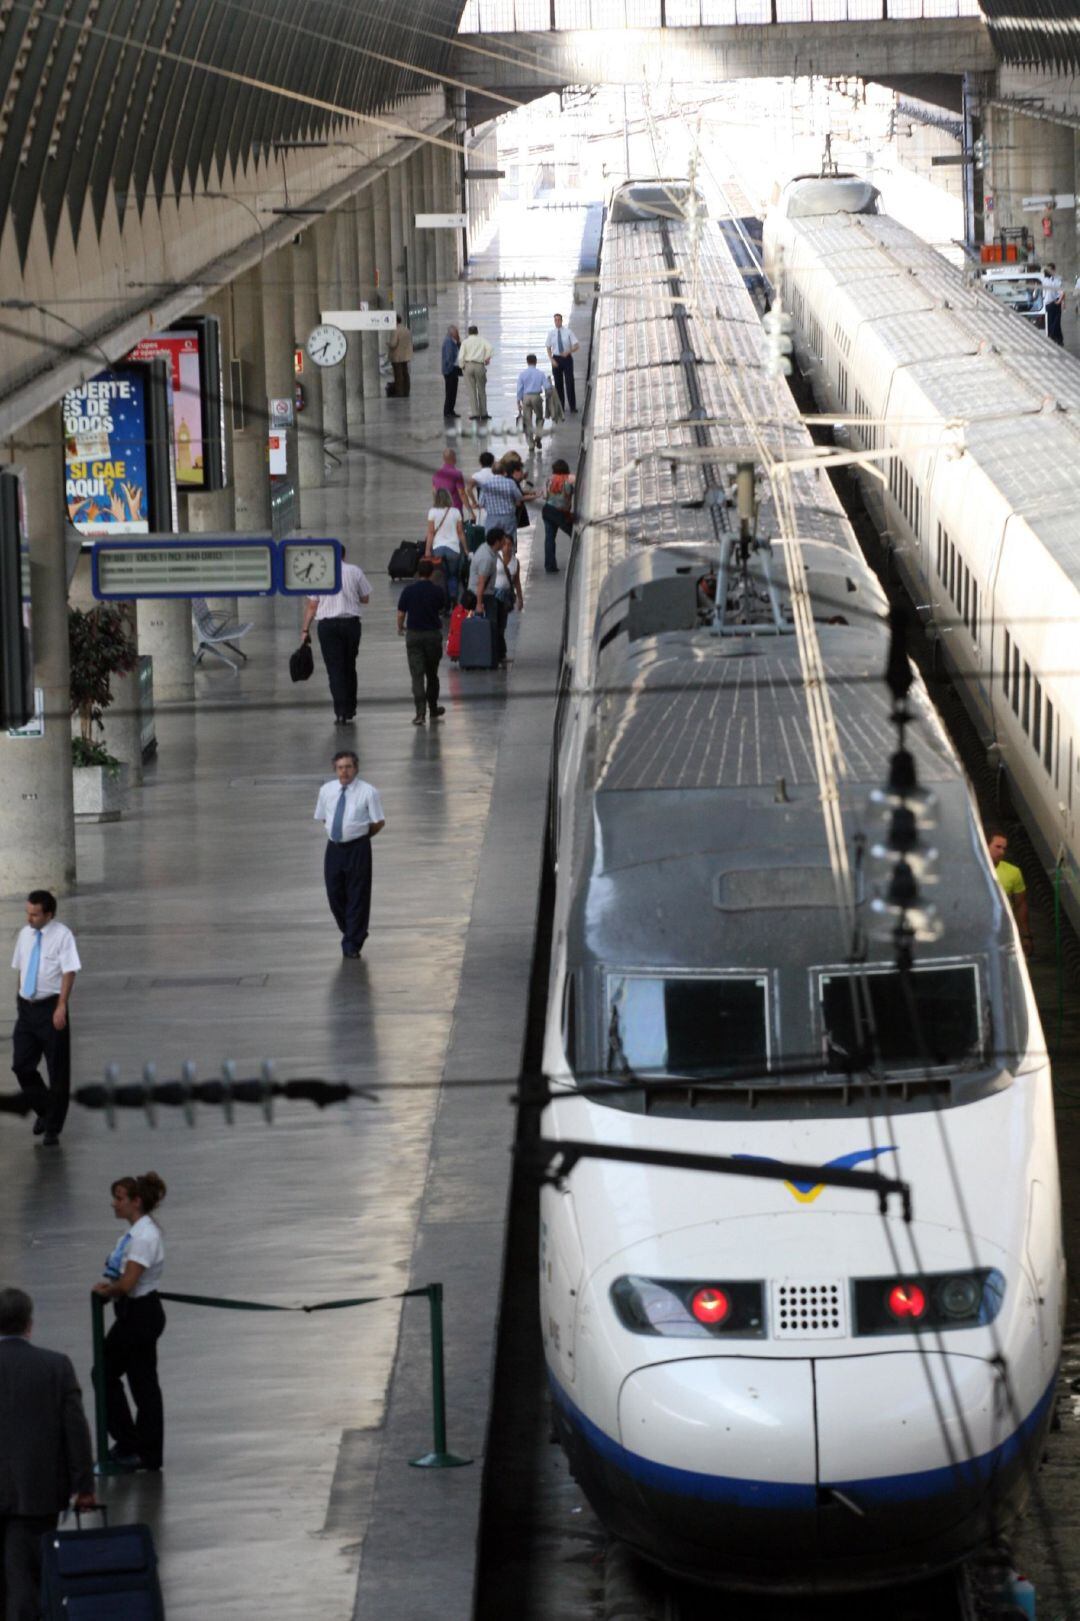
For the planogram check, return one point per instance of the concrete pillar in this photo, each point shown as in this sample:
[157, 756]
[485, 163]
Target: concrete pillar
[364, 221]
[37, 829]
[251, 480]
[348, 251]
[396, 282]
[278, 336]
[408, 240]
[332, 378]
[425, 192]
[442, 202]
[436, 270]
[309, 426]
[384, 257]
[1031, 157]
[165, 633]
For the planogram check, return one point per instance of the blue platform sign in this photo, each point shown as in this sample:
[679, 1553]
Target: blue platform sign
[105, 473]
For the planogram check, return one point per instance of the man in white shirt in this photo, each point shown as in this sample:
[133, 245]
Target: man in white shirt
[47, 961]
[338, 620]
[352, 813]
[562, 346]
[474, 358]
[1053, 303]
[531, 386]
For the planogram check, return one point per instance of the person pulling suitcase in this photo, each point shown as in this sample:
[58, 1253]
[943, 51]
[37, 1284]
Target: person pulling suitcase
[45, 1453]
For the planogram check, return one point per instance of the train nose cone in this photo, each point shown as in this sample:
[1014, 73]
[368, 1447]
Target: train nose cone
[742, 1432]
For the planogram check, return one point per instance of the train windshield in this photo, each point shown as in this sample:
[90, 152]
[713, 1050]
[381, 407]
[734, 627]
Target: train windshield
[944, 1027]
[682, 1025]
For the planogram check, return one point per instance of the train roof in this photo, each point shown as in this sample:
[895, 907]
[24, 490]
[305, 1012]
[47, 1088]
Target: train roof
[1016, 395]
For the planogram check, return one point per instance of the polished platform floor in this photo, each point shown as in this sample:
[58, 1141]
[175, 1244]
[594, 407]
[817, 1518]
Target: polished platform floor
[205, 935]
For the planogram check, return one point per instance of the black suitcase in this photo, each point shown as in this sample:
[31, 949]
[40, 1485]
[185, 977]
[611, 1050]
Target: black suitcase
[477, 644]
[475, 535]
[404, 559]
[105, 1575]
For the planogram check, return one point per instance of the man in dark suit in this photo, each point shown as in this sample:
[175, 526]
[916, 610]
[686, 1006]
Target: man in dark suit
[45, 1453]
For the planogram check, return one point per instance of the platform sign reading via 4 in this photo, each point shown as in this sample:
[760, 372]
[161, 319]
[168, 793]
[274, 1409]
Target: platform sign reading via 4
[214, 566]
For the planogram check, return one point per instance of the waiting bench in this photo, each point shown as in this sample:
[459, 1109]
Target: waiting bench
[215, 631]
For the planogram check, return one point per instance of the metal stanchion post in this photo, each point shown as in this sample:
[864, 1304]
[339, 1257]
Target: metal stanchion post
[104, 1464]
[438, 1458]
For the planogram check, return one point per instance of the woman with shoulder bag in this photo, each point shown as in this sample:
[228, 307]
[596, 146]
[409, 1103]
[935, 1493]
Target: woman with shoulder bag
[557, 511]
[445, 541]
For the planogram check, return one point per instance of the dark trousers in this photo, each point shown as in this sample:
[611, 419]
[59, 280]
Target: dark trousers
[450, 383]
[131, 1352]
[34, 1038]
[20, 1564]
[1053, 323]
[402, 381]
[347, 872]
[497, 611]
[340, 643]
[554, 520]
[562, 374]
[423, 649]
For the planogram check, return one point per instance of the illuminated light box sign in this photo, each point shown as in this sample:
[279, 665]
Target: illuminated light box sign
[180, 352]
[118, 462]
[214, 566]
[191, 352]
[105, 460]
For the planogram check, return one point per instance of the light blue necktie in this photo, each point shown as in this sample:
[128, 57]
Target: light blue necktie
[30, 987]
[337, 827]
[558, 335]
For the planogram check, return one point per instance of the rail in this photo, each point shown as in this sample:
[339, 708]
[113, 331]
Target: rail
[440, 1457]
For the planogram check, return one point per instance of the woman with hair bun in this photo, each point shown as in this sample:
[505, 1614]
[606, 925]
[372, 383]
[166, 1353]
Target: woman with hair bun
[132, 1274]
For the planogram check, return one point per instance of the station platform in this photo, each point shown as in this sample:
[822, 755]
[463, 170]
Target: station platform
[205, 935]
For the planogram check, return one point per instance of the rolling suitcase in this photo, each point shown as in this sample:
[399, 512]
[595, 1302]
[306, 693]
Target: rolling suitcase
[104, 1575]
[403, 560]
[475, 534]
[477, 644]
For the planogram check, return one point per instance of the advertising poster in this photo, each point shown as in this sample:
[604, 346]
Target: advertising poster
[180, 351]
[105, 455]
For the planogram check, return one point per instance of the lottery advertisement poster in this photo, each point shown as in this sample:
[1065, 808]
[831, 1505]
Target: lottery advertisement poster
[105, 455]
[180, 350]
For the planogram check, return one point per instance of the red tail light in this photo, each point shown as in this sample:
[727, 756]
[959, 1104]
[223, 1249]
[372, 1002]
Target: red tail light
[907, 1301]
[710, 1306]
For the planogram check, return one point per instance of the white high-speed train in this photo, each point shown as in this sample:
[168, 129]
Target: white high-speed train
[982, 500]
[763, 1383]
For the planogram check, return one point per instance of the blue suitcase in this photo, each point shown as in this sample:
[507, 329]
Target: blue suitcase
[105, 1575]
[477, 644]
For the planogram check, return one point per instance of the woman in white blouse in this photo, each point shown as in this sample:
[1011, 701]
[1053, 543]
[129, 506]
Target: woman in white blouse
[132, 1273]
[445, 541]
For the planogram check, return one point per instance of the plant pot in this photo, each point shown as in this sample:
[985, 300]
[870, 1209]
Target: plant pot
[99, 793]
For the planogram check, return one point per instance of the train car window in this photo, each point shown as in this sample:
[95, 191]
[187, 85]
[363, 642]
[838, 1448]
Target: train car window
[1025, 713]
[686, 1026]
[1005, 665]
[967, 593]
[946, 1028]
[940, 552]
[1070, 771]
[1016, 679]
[974, 611]
[1036, 718]
[918, 510]
[1048, 754]
[952, 571]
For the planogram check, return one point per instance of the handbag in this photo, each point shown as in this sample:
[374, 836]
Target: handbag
[302, 663]
[521, 513]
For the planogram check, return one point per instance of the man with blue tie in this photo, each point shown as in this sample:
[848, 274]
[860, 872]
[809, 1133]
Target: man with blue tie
[47, 961]
[562, 346]
[352, 813]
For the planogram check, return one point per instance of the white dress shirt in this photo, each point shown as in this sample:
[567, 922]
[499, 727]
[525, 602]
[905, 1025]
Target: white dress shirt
[362, 807]
[569, 342]
[58, 957]
[346, 602]
[148, 1248]
[475, 348]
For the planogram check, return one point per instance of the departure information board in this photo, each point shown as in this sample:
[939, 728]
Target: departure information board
[195, 566]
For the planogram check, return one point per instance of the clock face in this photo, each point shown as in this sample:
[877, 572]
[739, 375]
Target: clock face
[327, 345]
[309, 568]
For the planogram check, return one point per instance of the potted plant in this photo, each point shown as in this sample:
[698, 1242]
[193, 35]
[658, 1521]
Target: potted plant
[102, 645]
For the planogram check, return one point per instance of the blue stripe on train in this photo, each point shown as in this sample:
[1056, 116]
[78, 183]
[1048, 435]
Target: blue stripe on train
[770, 1494]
